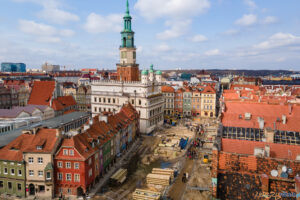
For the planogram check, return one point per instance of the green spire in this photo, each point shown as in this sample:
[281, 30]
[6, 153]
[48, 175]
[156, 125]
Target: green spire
[127, 9]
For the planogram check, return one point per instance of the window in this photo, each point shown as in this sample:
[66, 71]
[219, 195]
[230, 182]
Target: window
[140, 102]
[12, 171]
[76, 165]
[108, 100]
[59, 164]
[95, 109]
[48, 175]
[5, 170]
[68, 165]
[104, 100]
[68, 177]
[31, 173]
[39, 147]
[69, 191]
[9, 184]
[65, 152]
[90, 172]
[132, 101]
[1, 184]
[114, 100]
[71, 152]
[30, 160]
[100, 100]
[95, 99]
[59, 176]
[77, 178]
[41, 188]
[40, 160]
[40, 173]
[60, 190]
[19, 172]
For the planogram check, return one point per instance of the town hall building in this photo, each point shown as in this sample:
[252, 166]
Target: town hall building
[142, 91]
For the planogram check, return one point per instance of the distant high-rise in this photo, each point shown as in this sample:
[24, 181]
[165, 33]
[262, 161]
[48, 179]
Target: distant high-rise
[13, 67]
[50, 68]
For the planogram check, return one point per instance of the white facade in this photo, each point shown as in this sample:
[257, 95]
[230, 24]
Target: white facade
[146, 97]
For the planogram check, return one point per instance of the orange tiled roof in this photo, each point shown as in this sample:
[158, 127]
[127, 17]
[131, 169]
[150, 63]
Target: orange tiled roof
[42, 93]
[28, 143]
[209, 90]
[281, 151]
[269, 112]
[166, 88]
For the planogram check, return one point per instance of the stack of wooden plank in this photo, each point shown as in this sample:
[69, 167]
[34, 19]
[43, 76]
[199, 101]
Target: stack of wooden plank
[169, 172]
[158, 179]
[119, 176]
[140, 194]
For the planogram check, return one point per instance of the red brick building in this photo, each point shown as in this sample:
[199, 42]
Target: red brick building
[178, 101]
[76, 166]
[245, 169]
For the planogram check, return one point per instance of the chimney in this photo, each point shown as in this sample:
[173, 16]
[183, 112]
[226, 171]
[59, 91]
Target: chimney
[261, 122]
[283, 119]
[290, 108]
[103, 117]
[267, 150]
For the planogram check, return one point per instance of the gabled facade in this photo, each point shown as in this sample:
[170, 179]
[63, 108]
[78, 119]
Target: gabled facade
[76, 165]
[208, 102]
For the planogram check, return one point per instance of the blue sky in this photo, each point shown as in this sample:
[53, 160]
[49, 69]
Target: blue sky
[188, 34]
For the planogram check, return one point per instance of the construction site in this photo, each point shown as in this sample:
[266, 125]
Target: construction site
[173, 163]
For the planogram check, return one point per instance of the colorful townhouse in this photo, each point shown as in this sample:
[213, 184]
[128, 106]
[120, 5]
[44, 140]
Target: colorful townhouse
[196, 103]
[187, 98]
[76, 165]
[169, 94]
[178, 101]
[12, 169]
[39, 151]
[208, 102]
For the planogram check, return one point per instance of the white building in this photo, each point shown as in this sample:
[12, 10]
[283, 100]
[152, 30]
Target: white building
[145, 96]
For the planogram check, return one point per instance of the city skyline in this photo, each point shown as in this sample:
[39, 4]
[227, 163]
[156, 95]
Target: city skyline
[190, 34]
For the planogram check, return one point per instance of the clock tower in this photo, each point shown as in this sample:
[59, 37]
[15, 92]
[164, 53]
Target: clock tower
[127, 69]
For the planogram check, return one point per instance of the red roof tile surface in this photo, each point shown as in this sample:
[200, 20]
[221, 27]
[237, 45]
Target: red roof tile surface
[270, 113]
[280, 151]
[42, 93]
[167, 89]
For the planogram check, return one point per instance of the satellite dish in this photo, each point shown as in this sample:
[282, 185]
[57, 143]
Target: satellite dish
[274, 173]
[284, 169]
[284, 175]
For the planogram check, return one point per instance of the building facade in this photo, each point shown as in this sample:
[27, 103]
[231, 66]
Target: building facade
[187, 102]
[144, 95]
[83, 98]
[196, 103]
[13, 67]
[169, 98]
[208, 102]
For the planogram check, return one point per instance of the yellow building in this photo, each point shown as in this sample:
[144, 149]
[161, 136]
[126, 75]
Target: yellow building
[208, 102]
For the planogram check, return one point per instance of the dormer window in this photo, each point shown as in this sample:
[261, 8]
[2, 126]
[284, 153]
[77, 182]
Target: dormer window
[39, 147]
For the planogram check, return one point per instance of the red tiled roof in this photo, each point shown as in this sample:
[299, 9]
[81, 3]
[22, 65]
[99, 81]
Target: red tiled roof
[269, 112]
[166, 88]
[280, 151]
[46, 138]
[63, 102]
[80, 143]
[41, 93]
[209, 90]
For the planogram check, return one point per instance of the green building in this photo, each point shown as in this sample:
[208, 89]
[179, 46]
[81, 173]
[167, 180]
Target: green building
[12, 172]
[187, 102]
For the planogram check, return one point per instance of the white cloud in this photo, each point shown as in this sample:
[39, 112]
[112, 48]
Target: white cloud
[250, 3]
[247, 20]
[199, 38]
[34, 28]
[212, 52]
[153, 9]
[42, 32]
[231, 32]
[279, 40]
[177, 29]
[269, 20]
[163, 48]
[57, 16]
[52, 11]
[66, 33]
[99, 24]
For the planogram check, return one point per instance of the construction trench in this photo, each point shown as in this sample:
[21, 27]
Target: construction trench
[170, 165]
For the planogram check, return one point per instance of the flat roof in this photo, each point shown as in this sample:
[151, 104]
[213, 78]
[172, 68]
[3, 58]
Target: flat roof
[52, 123]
